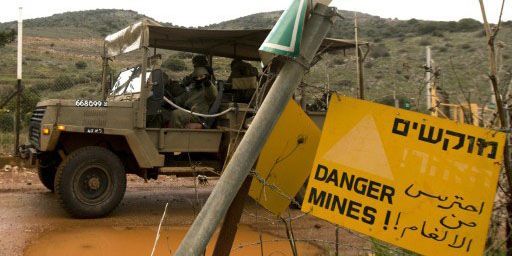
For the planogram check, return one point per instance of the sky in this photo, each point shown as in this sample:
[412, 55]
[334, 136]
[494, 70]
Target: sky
[205, 12]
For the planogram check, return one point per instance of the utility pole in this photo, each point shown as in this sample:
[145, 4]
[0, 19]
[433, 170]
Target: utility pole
[359, 67]
[17, 123]
[214, 210]
[429, 80]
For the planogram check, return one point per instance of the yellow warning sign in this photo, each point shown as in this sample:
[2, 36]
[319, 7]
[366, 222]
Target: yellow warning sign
[286, 159]
[419, 182]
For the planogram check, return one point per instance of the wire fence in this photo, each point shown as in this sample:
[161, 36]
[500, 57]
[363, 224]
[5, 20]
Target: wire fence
[85, 85]
[334, 240]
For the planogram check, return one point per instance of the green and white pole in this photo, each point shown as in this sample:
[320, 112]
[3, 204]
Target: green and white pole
[19, 72]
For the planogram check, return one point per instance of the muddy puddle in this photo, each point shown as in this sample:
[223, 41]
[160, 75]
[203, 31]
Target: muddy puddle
[139, 241]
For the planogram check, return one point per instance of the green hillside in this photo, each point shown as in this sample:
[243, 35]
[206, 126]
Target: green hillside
[81, 24]
[54, 45]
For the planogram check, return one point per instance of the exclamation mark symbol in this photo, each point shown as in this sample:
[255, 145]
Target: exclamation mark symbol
[386, 221]
[397, 219]
[404, 157]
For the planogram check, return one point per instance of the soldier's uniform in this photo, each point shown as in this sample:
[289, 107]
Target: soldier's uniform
[197, 96]
[242, 69]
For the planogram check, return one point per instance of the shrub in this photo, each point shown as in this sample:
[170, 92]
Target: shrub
[81, 64]
[184, 55]
[28, 103]
[6, 122]
[174, 64]
[465, 25]
[337, 60]
[437, 33]
[62, 82]
[379, 51]
[480, 33]
[368, 65]
[465, 46]
[94, 76]
[425, 41]
[413, 22]
[443, 49]
[451, 26]
[427, 28]
[82, 80]
[7, 36]
[40, 86]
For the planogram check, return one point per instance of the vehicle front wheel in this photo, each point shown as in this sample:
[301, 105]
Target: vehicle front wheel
[47, 177]
[90, 182]
[46, 170]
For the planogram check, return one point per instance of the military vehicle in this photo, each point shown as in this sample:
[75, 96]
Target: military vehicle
[84, 148]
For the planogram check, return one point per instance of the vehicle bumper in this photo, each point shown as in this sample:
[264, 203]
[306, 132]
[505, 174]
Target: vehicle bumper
[29, 154]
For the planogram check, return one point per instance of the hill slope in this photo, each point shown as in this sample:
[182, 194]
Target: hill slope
[54, 44]
[96, 23]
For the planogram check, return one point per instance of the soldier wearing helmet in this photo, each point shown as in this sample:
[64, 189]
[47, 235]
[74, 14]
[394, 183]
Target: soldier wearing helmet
[198, 93]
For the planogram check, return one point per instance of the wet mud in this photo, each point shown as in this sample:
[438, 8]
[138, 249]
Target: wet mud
[130, 241]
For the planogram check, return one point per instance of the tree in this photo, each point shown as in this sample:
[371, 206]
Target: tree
[467, 25]
[7, 37]
[491, 33]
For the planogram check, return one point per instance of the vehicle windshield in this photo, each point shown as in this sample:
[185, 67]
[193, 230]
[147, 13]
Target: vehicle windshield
[128, 82]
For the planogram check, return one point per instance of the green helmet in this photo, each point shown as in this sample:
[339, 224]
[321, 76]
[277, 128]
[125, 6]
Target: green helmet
[200, 71]
[200, 61]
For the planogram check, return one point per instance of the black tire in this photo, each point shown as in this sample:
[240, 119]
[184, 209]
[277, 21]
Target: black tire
[90, 182]
[47, 176]
[47, 168]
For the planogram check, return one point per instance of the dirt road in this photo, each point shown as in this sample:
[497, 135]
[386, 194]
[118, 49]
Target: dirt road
[30, 217]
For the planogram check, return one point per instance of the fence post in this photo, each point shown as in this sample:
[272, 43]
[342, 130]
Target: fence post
[229, 228]
[17, 123]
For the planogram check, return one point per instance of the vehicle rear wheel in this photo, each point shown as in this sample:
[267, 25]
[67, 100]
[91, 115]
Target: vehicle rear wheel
[90, 182]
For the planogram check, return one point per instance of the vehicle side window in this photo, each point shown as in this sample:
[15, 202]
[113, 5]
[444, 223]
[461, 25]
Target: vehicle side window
[128, 82]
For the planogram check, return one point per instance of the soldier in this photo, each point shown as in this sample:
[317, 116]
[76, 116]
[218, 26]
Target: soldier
[199, 61]
[157, 115]
[198, 94]
[240, 68]
[242, 80]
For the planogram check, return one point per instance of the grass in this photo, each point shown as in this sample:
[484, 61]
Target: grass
[7, 141]
[47, 56]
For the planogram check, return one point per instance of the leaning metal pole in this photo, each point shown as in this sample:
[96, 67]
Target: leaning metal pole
[253, 141]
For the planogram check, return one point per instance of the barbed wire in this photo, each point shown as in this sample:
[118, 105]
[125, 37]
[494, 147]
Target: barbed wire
[267, 185]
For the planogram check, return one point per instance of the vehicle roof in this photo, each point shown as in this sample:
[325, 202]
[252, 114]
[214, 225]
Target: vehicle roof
[243, 44]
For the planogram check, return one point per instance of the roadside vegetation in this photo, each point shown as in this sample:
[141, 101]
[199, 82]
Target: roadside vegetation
[62, 57]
